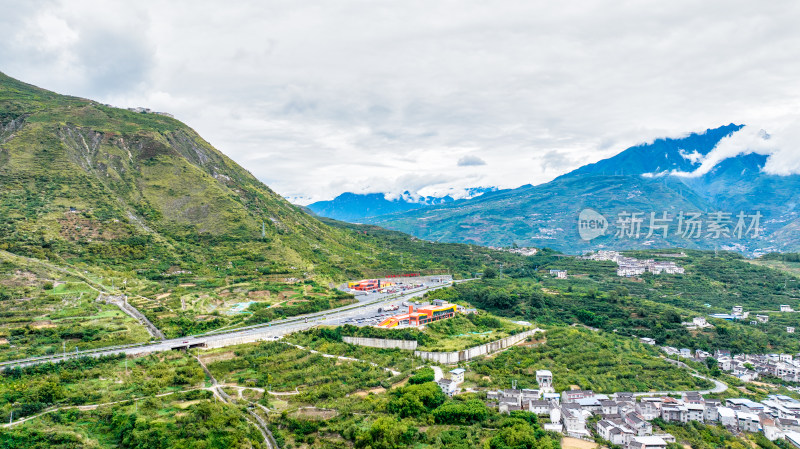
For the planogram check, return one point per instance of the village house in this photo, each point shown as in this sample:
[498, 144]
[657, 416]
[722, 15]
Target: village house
[545, 380]
[568, 396]
[448, 386]
[648, 442]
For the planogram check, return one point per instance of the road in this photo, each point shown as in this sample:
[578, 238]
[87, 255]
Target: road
[269, 331]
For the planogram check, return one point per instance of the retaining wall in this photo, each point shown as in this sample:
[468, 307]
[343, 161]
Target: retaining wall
[266, 334]
[239, 340]
[452, 358]
[408, 345]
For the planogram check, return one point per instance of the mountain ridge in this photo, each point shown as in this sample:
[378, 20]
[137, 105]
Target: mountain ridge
[642, 179]
[352, 207]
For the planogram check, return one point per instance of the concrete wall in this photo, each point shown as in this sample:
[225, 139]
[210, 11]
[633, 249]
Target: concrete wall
[240, 340]
[408, 345]
[253, 337]
[452, 358]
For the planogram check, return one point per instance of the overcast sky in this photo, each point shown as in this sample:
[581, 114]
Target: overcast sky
[319, 98]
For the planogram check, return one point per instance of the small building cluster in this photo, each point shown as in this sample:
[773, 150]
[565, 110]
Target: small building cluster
[738, 313]
[422, 314]
[559, 274]
[369, 285]
[697, 323]
[750, 366]
[625, 420]
[149, 111]
[521, 251]
[629, 266]
[622, 422]
[746, 367]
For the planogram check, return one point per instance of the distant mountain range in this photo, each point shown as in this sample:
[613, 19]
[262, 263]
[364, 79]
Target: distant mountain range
[356, 207]
[625, 190]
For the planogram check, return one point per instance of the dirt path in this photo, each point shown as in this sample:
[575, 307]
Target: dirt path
[340, 357]
[216, 388]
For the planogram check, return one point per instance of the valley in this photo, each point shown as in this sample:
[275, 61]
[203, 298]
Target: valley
[155, 294]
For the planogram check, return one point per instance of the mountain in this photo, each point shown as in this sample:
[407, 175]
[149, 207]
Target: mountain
[639, 180]
[89, 182]
[97, 201]
[354, 207]
[662, 155]
[141, 193]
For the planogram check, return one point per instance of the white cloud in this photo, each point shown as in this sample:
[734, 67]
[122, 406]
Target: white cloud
[317, 98]
[470, 160]
[779, 140]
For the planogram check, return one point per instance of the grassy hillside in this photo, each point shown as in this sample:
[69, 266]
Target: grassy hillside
[90, 183]
[115, 201]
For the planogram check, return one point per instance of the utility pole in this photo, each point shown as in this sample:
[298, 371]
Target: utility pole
[64, 348]
[11, 419]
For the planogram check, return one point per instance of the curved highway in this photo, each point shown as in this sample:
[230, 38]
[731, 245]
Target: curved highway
[268, 331]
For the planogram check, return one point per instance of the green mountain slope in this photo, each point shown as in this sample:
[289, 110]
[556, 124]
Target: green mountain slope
[117, 201]
[105, 183]
[636, 180]
[547, 215]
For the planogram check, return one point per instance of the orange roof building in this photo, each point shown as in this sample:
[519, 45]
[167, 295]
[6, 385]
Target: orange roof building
[423, 315]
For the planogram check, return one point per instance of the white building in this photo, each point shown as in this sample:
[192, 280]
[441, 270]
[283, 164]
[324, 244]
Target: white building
[648, 341]
[649, 442]
[457, 375]
[539, 407]
[710, 412]
[695, 412]
[448, 386]
[727, 417]
[650, 408]
[786, 308]
[700, 322]
[748, 422]
[545, 380]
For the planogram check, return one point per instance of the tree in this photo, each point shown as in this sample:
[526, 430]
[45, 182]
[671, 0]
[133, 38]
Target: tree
[422, 376]
[386, 433]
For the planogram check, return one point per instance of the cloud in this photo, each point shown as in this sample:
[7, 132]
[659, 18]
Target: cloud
[779, 141]
[469, 161]
[94, 50]
[555, 160]
[317, 98]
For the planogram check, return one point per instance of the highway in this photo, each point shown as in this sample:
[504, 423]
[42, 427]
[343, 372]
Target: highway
[261, 332]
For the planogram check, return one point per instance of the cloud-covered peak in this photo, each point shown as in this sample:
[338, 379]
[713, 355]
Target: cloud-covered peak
[779, 141]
